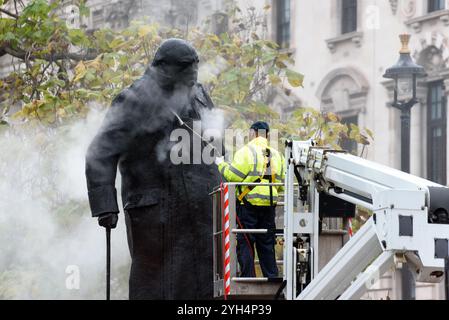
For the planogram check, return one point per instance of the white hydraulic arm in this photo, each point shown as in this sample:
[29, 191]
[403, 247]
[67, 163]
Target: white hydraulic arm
[410, 220]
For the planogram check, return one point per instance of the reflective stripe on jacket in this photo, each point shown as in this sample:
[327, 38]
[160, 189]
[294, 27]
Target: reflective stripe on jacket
[248, 166]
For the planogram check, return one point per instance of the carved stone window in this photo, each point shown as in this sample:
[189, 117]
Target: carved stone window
[346, 15]
[182, 14]
[285, 103]
[119, 14]
[283, 23]
[98, 18]
[219, 22]
[436, 132]
[433, 61]
[394, 6]
[349, 16]
[354, 37]
[417, 23]
[343, 91]
[434, 57]
[435, 5]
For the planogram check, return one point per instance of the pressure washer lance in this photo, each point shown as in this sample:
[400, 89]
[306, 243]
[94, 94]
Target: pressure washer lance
[182, 123]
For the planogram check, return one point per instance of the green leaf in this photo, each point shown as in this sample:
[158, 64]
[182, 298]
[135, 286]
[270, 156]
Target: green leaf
[370, 133]
[225, 37]
[90, 75]
[37, 9]
[9, 36]
[294, 78]
[116, 43]
[269, 56]
[78, 37]
[6, 24]
[84, 9]
[271, 45]
[59, 82]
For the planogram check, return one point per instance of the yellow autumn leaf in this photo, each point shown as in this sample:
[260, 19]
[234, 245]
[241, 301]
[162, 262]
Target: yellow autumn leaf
[274, 79]
[144, 30]
[61, 112]
[332, 117]
[255, 36]
[80, 71]
[280, 64]
[36, 104]
[214, 38]
[96, 63]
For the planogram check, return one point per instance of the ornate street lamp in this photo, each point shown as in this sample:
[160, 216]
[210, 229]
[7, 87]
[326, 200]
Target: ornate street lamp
[405, 74]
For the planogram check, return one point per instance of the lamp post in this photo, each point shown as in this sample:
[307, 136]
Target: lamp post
[405, 74]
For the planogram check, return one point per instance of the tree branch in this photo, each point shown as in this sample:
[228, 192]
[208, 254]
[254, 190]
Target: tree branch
[15, 16]
[21, 54]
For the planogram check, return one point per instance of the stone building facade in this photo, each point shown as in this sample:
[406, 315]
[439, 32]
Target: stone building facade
[343, 48]
[117, 14]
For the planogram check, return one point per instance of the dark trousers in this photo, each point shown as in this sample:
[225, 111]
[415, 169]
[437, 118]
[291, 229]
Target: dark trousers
[256, 217]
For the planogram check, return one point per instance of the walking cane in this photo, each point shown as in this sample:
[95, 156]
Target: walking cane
[108, 263]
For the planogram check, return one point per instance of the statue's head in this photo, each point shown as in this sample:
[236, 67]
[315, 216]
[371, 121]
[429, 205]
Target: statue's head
[175, 63]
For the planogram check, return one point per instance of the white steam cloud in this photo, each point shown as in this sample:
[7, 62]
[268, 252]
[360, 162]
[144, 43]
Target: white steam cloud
[51, 247]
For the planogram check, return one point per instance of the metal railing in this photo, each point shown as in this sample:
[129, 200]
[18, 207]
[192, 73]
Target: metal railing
[240, 286]
[243, 287]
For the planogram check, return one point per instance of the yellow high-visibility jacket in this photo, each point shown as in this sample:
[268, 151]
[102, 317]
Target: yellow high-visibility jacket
[249, 165]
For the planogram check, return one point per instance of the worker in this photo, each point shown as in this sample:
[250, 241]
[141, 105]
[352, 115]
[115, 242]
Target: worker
[256, 162]
[167, 206]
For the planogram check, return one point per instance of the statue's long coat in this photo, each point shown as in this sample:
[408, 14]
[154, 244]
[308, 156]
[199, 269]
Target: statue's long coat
[168, 211]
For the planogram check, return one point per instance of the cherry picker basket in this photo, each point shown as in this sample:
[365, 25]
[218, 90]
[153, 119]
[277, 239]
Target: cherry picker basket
[227, 283]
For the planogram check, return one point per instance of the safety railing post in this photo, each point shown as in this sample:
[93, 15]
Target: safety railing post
[227, 243]
[225, 219]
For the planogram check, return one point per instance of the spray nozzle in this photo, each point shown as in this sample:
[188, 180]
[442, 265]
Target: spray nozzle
[182, 123]
[178, 117]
